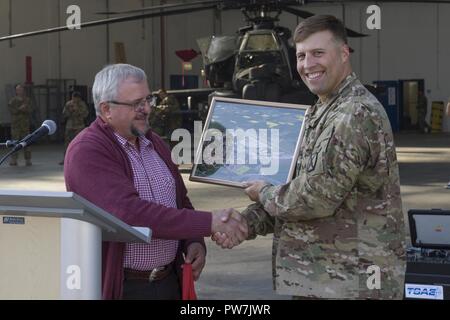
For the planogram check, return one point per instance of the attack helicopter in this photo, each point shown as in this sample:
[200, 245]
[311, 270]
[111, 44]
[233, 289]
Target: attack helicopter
[257, 63]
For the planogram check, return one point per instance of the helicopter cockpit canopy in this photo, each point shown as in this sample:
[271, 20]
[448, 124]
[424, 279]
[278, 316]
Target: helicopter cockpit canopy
[261, 65]
[259, 47]
[264, 41]
[219, 48]
[218, 58]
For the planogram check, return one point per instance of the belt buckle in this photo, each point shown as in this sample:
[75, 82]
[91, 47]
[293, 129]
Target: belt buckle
[153, 276]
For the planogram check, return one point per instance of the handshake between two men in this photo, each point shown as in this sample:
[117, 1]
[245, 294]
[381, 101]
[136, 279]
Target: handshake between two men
[229, 227]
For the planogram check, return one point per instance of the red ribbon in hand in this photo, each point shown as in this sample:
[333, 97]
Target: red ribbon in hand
[188, 283]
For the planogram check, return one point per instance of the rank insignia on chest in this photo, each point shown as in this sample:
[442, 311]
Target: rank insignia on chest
[312, 162]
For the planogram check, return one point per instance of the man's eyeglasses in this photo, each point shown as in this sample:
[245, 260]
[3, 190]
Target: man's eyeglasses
[151, 100]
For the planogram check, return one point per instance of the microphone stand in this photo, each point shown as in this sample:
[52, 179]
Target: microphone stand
[47, 127]
[7, 156]
[8, 144]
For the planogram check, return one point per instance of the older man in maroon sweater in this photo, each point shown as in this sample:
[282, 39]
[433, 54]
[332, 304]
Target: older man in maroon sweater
[119, 164]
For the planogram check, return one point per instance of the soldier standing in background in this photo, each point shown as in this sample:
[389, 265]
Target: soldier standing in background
[20, 109]
[447, 113]
[338, 226]
[165, 117]
[422, 108]
[75, 112]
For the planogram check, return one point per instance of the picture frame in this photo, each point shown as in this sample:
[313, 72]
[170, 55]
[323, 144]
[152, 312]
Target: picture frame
[245, 140]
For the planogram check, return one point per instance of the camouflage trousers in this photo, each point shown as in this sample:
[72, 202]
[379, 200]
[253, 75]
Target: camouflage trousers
[27, 156]
[17, 134]
[69, 135]
[421, 121]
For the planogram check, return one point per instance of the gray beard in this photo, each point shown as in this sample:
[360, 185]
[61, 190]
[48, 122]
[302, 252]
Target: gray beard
[136, 132]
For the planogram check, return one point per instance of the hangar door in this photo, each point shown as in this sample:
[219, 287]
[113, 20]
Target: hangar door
[387, 93]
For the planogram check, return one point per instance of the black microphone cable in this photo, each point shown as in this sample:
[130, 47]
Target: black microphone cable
[6, 156]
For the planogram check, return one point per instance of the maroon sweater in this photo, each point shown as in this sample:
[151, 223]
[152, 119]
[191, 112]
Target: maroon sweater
[98, 169]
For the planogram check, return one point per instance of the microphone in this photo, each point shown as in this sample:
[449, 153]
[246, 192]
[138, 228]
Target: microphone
[48, 127]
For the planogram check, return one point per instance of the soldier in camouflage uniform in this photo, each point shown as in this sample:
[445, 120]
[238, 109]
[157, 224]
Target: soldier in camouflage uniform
[447, 113]
[165, 117]
[422, 108]
[338, 225]
[75, 112]
[20, 109]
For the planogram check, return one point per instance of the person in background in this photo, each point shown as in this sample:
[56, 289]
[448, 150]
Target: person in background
[422, 108]
[20, 108]
[75, 113]
[166, 116]
[447, 112]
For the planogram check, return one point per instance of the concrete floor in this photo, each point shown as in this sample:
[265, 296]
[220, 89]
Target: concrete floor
[245, 272]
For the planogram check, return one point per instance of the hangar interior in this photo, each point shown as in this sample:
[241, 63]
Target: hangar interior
[410, 49]
[410, 52]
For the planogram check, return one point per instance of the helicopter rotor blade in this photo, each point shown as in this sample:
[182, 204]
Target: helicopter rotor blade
[355, 34]
[305, 14]
[301, 13]
[380, 1]
[107, 21]
[162, 7]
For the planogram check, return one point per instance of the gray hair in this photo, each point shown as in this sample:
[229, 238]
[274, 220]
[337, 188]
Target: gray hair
[108, 80]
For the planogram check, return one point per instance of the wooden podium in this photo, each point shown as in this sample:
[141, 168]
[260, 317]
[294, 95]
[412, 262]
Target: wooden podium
[51, 242]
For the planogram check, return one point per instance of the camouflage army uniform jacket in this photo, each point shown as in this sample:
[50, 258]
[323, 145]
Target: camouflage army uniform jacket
[75, 113]
[166, 117]
[21, 110]
[338, 225]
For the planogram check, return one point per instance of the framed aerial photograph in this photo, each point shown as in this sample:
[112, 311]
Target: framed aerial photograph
[245, 140]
